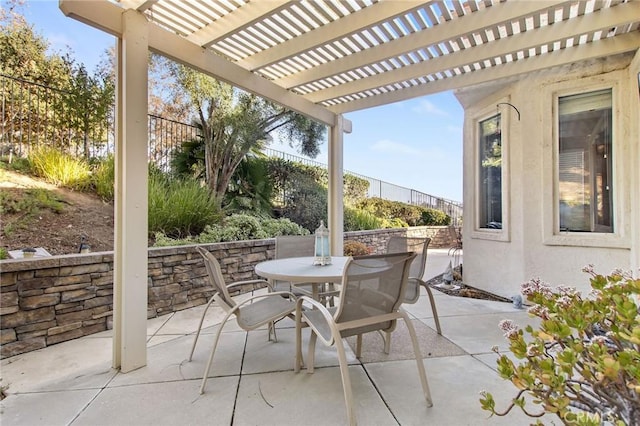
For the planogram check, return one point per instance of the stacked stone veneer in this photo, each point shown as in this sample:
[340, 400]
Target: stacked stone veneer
[50, 300]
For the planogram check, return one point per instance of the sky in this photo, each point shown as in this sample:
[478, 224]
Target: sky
[416, 144]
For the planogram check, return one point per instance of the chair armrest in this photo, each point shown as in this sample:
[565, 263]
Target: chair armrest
[246, 282]
[317, 307]
[262, 296]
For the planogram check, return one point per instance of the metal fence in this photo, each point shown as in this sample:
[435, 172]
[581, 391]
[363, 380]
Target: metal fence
[389, 191]
[34, 115]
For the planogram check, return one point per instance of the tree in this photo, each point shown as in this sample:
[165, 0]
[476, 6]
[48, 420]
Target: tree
[234, 122]
[89, 104]
[53, 96]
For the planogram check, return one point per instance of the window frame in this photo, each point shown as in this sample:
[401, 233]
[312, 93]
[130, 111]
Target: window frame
[552, 235]
[481, 115]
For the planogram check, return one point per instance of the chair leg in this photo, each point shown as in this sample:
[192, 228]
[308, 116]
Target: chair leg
[213, 351]
[387, 342]
[311, 357]
[299, 361]
[433, 309]
[195, 340]
[419, 360]
[358, 345]
[271, 327]
[346, 381]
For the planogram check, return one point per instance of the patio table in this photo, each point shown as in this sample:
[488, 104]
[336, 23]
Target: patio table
[301, 270]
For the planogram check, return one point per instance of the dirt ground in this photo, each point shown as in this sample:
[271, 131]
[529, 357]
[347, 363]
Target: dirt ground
[58, 233]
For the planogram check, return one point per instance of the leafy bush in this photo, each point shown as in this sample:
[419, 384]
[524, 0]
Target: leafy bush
[282, 226]
[18, 164]
[394, 223]
[103, 178]
[355, 248]
[180, 208]
[360, 220]
[60, 169]
[236, 227]
[583, 363]
[250, 189]
[409, 213]
[355, 189]
[306, 203]
[4, 253]
[433, 217]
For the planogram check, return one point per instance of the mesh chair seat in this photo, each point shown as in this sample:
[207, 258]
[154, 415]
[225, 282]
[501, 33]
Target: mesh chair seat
[262, 311]
[371, 295]
[250, 314]
[416, 274]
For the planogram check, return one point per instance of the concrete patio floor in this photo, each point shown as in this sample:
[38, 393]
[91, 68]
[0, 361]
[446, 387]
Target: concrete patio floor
[252, 380]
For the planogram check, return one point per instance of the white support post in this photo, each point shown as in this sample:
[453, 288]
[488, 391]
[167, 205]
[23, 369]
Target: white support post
[131, 190]
[635, 164]
[336, 184]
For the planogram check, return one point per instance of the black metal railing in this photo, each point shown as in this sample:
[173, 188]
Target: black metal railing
[34, 115]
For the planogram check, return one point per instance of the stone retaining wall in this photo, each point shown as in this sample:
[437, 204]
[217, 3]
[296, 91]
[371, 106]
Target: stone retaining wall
[50, 300]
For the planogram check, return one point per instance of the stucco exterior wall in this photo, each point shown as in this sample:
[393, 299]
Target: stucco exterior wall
[527, 246]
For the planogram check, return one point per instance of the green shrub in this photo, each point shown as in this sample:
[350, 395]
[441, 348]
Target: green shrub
[433, 217]
[393, 223]
[17, 164]
[179, 208]
[103, 178]
[4, 253]
[236, 227]
[355, 189]
[360, 220]
[410, 214]
[60, 169]
[583, 363]
[282, 226]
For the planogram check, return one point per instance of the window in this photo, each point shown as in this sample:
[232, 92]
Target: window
[585, 202]
[490, 174]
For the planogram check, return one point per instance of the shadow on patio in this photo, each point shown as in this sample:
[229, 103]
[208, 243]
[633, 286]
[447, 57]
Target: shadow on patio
[252, 380]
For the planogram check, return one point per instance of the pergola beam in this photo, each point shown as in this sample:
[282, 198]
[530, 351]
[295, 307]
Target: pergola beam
[243, 18]
[107, 17]
[480, 20]
[603, 20]
[608, 47]
[332, 31]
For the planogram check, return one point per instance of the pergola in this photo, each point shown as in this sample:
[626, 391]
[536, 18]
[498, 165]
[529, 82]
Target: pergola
[322, 58]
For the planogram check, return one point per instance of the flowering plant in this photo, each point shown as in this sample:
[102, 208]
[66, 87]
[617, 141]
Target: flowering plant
[583, 363]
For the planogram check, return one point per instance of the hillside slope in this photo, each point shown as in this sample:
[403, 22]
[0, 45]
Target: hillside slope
[27, 223]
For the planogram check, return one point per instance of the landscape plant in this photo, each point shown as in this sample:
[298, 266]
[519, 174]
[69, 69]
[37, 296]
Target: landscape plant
[360, 220]
[233, 123]
[355, 248]
[103, 178]
[60, 169]
[236, 227]
[26, 205]
[180, 207]
[413, 215]
[583, 362]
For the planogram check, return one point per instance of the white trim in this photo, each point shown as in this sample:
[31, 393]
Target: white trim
[551, 230]
[489, 111]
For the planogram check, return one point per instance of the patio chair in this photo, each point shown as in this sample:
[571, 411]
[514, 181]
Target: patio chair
[299, 246]
[419, 246]
[455, 236]
[370, 299]
[255, 312]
